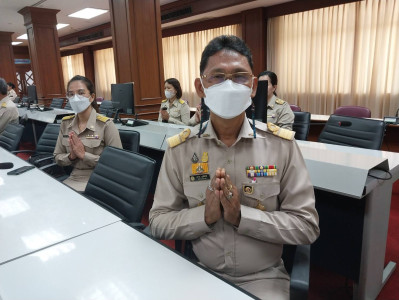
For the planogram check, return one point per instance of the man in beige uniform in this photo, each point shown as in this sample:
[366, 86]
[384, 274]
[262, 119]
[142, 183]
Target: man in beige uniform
[279, 112]
[179, 112]
[238, 198]
[8, 110]
[100, 132]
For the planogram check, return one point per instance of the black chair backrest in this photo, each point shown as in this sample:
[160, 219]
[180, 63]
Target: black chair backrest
[57, 103]
[355, 132]
[68, 106]
[10, 137]
[48, 139]
[130, 140]
[301, 125]
[107, 108]
[120, 182]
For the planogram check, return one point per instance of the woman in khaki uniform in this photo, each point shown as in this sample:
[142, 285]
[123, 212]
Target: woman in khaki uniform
[278, 111]
[174, 109]
[83, 136]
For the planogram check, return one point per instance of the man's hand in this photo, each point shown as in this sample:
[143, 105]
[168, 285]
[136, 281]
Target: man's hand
[77, 147]
[230, 201]
[212, 204]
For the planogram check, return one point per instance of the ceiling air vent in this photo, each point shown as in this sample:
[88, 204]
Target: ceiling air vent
[176, 14]
[91, 36]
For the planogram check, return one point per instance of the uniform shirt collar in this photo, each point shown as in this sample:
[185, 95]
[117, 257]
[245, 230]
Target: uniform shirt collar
[175, 102]
[4, 100]
[90, 123]
[272, 102]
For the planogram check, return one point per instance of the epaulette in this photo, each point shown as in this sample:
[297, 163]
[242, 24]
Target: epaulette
[163, 101]
[68, 117]
[177, 139]
[182, 101]
[281, 132]
[102, 118]
[279, 101]
[4, 104]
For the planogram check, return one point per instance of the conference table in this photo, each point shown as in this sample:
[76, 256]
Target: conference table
[353, 206]
[57, 244]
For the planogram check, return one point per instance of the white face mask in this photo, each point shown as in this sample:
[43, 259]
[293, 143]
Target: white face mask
[169, 94]
[79, 103]
[228, 99]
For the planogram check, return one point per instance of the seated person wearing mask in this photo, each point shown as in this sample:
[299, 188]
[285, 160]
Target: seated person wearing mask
[278, 111]
[83, 136]
[11, 92]
[174, 109]
[236, 193]
[8, 110]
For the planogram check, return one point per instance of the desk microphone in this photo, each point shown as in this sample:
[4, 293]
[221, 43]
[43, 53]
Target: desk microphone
[344, 123]
[6, 165]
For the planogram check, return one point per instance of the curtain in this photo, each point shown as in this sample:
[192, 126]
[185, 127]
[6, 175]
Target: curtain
[182, 56]
[72, 65]
[104, 72]
[339, 55]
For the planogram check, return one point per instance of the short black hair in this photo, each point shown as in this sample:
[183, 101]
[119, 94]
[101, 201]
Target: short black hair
[89, 85]
[228, 42]
[11, 85]
[272, 76]
[176, 85]
[3, 87]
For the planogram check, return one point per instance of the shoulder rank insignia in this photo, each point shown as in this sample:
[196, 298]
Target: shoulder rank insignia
[281, 132]
[177, 139]
[279, 101]
[68, 117]
[163, 101]
[102, 118]
[4, 104]
[182, 101]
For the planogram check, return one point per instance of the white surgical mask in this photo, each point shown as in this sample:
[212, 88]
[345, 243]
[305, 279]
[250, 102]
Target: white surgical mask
[228, 99]
[169, 94]
[79, 103]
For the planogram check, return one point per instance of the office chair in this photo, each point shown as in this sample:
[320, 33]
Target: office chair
[295, 107]
[301, 125]
[68, 106]
[107, 108]
[45, 146]
[16, 100]
[130, 140]
[296, 260]
[353, 111]
[355, 132]
[120, 183]
[57, 103]
[11, 136]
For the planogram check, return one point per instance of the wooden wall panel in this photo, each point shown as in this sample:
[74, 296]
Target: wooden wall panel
[7, 65]
[137, 41]
[254, 34]
[44, 51]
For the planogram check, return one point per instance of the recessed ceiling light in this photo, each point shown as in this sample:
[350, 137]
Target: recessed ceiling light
[23, 37]
[60, 25]
[16, 43]
[88, 13]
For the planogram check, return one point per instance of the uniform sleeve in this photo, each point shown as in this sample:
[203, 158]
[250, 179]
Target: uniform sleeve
[192, 121]
[159, 115]
[184, 115]
[286, 118]
[170, 216]
[60, 152]
[111, 138]
[297, 220]
[8, 116]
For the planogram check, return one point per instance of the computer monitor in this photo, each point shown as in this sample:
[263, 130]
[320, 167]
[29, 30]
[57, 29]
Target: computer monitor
[32, 93]
[260, 101]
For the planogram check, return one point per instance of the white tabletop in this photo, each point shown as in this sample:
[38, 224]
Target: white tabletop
[37, 211]
[114, 262]
[48, 116]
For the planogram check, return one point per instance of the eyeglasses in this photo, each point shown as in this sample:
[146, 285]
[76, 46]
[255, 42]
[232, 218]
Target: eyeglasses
[239, 77]
[80, 92]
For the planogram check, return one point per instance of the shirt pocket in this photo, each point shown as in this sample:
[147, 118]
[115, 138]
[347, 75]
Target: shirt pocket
[175, 113]
[263, 195]
[93, 146]
[195, 192]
